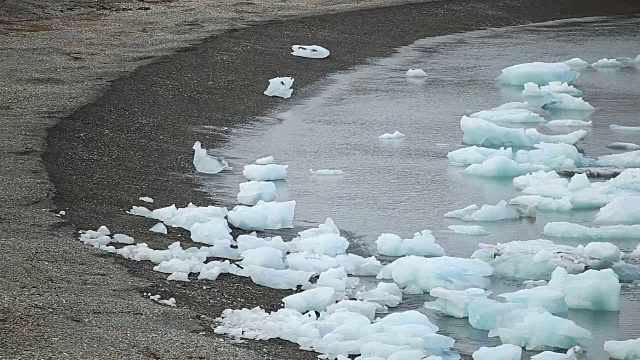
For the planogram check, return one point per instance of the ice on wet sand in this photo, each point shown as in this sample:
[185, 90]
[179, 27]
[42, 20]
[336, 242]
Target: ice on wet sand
[422, 244]
[280, 87]
[384, 294]
[607, 63]
[454, 302]
[323, 240]
[265, 256]
[502, 352]
[591, 290]
[263, 215]
[310, 51]
[159, 228]
[623, 350]
[253, 191]
[317, 299]
[537, 72]
[267, 172]
[278, 279]
[206, 163]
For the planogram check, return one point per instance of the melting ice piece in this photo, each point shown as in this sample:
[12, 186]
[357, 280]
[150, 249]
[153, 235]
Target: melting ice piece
[546, 297]
[556, 156]
[630, 159]
[485, 133]
[501, 166]
[358, 265]
[487, 212]
[603, 251]
[571, 354]
[267, 172]
[422, 244]
[385, 294]
[159, 228]
[387, 136]
[262, 216]
[251, 241]
[429, 273]
[365, 308]
[624, 350]
[577, 63]
[543, 203]
[539, 178]
[324, 240]
[317, 299]
[454, 302]
[179, 276]
[571, 230]
[265, 256]
[502, 352]
[123, 239]
[607, 63]
[541, 331]
[416, 73]
[145, 199]
[537, 72]
[278, 279]
[253, 191]
[591, 290]
[337, 279]
[280, 87]
[182, 217]
[623, 146]
[624, 128]
[621, 210]
[509, 115]
[326, 172]
[206, 163]
[485, 314]
[265, 160]
[310, 51]
[567, 102]
[468, 229]
[569, 123]
[315, 263]
[209, 232]
[560, 87]
[476, 155]
[532, 89]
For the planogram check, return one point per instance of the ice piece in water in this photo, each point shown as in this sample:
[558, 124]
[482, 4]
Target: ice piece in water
[253, 191]
[485, 314]
[207, 233]
[621, 210]
[468, 229]
[624, 350]
[591, 290]
[315, 263]
[500, 166]
[267, 172]
[416, 73]
[454, 302]
[543, 203]
[623, 146]
[629, 159]
[509, 115]
[571, 230]
[206, 163]
[265, 160]
[422, 244]
[607, 63]
[396, 135]
[310, 51]
[624, 128]
[265, 256]
[539, 178]
[569, 123]
[280, 87]
[337, 279]
[326, 172]
[561, 101]
[262, 216]
[159, 228]
[541, 331]
[179, 276]
[278, 279]
[429, 273]
[537, 72]
[476, 155]
[385, 294]
[556, 156]
[251, 241]
[561, 87]
[487, 212]
[512, 105]
[502, 352]
[603, 251]
[145, 199]
[577, 63]
[358, 265]
[485, 133]
[365, 308]
[549, 298]
[571, 354]
[325, 240]
[317, 299]
[532, 89]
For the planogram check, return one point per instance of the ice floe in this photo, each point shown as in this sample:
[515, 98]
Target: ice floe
[416, 73]
[269, 172]
[326, 172]
[265, 256]
[577, 63]
[571, 230]
[630, 159]
[384, 294]
[280, 87]
[317, 299]
[623, 146]
[572, 354]
[253, 191]
[509, 116]
[468, 229]
[390, 136]
[206, 163]
[502, 352]
[623, 209]
[561, 101]
[624, 128]
[591, 290]
[265, 160]
[323, 240]
[159, 228]
[546, 297]
[476, 155]
[310, 51]
[422, 244]
[537, 72]
[569, 123]
[487, 212]
[623, 350]
[454, 302]
[263, 215]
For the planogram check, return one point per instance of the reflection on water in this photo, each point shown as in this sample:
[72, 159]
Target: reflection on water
[407, 185]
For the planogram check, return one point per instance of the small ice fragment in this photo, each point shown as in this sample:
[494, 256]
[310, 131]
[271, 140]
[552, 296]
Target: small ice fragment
[317, 299]
[159, 228]
[310, 51]
[606, 63]
[532, 89]
[623, 350]
[422, 244]
[630, 159]
[280, 87]
[537, 72]
[103, 230]
[577, 63]
[145, 199]
[123, 239]
[179, 276]
[265, 160]
[502, 352]
[395, 135]
[561, 101]
[62, 213]
[326, 172]
[468, 229]
[572, 354]
[487, 212]
[416, 73]
[560, 87]
[624, 128]
[206, 163]
[169, 302]
[269, 172]
[278, 279]
[623, 146]
[569, 123]
[253, 191]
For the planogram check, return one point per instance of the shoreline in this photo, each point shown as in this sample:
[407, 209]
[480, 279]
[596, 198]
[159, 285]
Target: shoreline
[135, 140]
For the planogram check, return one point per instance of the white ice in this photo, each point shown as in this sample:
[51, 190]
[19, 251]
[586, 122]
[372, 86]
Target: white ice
[310, 51]
[629, 159]
[388, 136]
[501, 166]
[182, 217]
[487, 212]
[623, 350]
[547, 297]
[502, 352]
[537, 72]
[145, 199]
[178, 276]
[265, 256]
[468, 229]
[486, 314]
[416, 73]
[577, 63]
[624, 128]
[314, 299]
[324, 240]
[509, 116]
[607, 63]
[384, 294]
[267, 172]
[532, 89]
[326, 172]
[623, 146]
[454, 302]
[591, 290]
[623, 209]
[476, 155]
[265, 160]
[569, 123]
[280, 87]
[278, 279]
[123, 239]
[263, 215]
[543, 203]
[603, 251]
[571, 354]
[159, 228]
[560, 101]
[571, 230]
[209, 232]
[555, 156]
[539, 178]
[422, 244]
[337, 279]
[561, 87]
[206, 163]
[252, 241]
[253, 191]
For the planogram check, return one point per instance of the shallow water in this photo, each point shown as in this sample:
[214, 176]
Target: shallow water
[407, 185]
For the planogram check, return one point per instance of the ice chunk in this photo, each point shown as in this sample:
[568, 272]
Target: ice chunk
[577, 63]
[476, 155]
[365, 308]
[123, 239]
[210, 273]
[537, 72]
[179, 276]
[159, 228]
[145, 199]
[484, 133]
[325, 240]
[416, 73]
[561, 87]
[468, 229]
[326, 172]
[317, 299]
[182, 217]
[315, 263]
[569, 123]
[591, 290]
[502, 352]
[509, 115]
[253, 191]
[603, 251]
[385, 294]
[543, 203]
[422, 244]
[500, 166]
[280, 87]
[549, 298]
[454, 302]
[539, 178]
[624, 128]
[209, 232]
[265, 160]
[607, 63]
[571, 354]
[532, 89]
[278, 279]
[556, 156]
[358, 265]
[625, 350]
[487, 212]
[621, 210]
[271, 215]
[396, 135]
[337, 279]
[429, 273]
[485, 314]
[623, 146]
[251, 241]
[265, 256]
[206, 163]
[267, 172]
[310, 51]
[561, 101]
[571, 230]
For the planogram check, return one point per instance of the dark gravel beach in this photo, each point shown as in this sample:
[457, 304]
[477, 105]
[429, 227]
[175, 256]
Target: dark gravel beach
[135, 140]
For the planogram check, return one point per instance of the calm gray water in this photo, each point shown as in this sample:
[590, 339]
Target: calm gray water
[406, 186]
